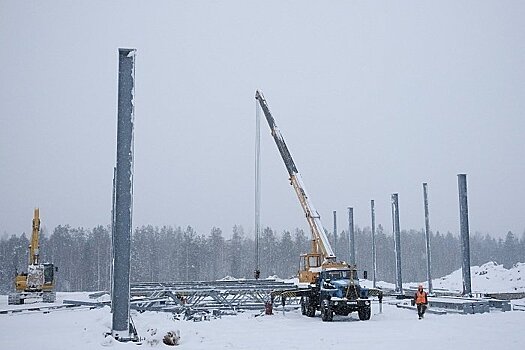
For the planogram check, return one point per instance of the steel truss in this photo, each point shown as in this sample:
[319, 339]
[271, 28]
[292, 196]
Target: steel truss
[219, 295]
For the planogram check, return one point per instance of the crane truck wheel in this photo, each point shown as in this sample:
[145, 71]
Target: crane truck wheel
[310, 307]
[327, 314]
[364, 313]
[303, 306]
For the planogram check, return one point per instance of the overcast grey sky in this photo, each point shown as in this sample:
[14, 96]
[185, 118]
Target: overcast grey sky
[372, 97]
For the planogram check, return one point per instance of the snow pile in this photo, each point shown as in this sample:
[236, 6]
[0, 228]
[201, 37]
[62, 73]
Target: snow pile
[487, 278]
[274, 277]
[379, 284]
[228, 278]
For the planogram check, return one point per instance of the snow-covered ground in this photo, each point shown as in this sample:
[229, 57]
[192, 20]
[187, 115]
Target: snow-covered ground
[393, 329]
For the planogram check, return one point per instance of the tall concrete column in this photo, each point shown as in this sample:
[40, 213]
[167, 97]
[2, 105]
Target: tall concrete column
[374, 255]
[397, 242]
[427, 236]
[351, 235]
[464, 229]
[123, 197]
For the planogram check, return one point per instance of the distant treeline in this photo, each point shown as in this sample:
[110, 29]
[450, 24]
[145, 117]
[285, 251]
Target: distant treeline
[176, 254]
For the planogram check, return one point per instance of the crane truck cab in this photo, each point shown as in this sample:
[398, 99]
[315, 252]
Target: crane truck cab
[337, 291]
[340, 293]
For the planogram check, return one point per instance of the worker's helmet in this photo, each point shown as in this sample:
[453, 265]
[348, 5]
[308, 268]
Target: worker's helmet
[420, 286]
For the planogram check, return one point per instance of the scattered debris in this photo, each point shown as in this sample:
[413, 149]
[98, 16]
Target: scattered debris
[172, 338]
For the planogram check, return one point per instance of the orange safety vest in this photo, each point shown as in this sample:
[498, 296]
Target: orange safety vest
[421, 297]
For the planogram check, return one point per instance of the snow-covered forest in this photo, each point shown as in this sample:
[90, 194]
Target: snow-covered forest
[173, 253]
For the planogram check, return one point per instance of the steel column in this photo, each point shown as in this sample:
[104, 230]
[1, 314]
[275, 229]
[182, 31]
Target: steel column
[123, 196]
[464, 228]
[374, 256]
[427, 236]
[351, 235]
[397, 242]
[335, 233]
[257, 186]
[111, 250]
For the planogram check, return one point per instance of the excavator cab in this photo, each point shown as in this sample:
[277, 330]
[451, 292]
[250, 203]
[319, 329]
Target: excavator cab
[49, 274]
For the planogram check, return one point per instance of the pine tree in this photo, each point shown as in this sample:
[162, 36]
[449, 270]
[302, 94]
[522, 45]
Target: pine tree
[268, 253]
[510, 250]
[286, 268]
[216, 253]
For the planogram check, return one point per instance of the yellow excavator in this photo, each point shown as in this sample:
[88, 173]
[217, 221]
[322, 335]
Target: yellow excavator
[39, 280]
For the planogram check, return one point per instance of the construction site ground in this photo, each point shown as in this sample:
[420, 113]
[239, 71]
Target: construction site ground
[395, 328]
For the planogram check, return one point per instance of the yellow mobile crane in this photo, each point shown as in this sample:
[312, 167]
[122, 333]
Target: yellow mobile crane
[321, 255]
[39, 280]
[331, 286]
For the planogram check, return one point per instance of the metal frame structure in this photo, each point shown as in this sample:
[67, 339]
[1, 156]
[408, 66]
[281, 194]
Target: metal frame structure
[205, 295]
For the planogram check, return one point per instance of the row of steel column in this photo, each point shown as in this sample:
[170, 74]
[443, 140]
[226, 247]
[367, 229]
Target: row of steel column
[464, 232]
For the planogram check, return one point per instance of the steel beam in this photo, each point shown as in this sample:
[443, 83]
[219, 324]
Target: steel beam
[121, 329]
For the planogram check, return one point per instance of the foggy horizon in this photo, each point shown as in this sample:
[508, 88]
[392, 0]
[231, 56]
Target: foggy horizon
[371, 98]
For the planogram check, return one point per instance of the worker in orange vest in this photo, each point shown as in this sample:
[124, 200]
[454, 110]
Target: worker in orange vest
[421, 300]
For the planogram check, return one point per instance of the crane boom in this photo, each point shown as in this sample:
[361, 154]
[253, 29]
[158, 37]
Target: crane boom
[312, 216]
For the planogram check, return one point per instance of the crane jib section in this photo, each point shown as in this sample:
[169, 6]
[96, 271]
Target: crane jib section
[312, 216]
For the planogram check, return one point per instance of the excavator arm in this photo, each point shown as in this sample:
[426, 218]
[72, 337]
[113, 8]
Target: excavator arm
[312, 216]
[35, 236]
